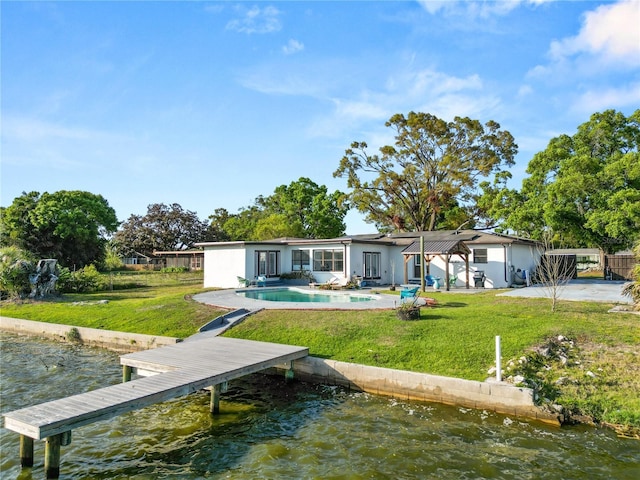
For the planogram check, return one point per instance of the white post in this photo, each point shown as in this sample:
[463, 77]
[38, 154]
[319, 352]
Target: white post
[498, 355]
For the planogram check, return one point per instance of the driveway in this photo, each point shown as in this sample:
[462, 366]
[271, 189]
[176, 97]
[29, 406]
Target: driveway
[578, 290]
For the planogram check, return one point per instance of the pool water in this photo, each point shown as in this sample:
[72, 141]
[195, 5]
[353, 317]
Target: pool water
[294, 295]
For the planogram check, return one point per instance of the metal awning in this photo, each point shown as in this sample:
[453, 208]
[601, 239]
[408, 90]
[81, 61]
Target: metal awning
[437, 248]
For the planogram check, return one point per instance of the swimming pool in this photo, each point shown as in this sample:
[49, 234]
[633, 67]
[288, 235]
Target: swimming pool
[303, 296]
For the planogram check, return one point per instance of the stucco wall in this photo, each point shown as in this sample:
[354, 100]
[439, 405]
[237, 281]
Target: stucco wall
[222, 266]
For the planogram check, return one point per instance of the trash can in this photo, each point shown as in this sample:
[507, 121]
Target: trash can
[478, 279]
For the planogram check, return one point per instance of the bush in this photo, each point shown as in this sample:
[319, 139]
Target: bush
[16, 267]
[174, 270]
[85, 280]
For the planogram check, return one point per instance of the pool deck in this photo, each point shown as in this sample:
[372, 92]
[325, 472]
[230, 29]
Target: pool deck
[230, 299]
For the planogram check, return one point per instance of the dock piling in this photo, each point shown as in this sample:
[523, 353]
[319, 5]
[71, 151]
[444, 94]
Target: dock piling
[26, 451]
[52, 456]
[214, 406]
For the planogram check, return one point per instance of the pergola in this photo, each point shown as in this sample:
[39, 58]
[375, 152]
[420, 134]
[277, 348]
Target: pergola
[444, 249]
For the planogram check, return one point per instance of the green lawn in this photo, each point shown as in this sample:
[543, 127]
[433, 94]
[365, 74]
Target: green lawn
[455, 338]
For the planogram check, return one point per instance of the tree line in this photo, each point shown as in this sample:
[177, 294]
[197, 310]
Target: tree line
[584, 189]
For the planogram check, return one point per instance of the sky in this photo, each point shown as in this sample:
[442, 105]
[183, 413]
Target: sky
[212, 104]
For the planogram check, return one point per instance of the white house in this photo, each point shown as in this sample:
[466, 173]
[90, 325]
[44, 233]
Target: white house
[463, 257]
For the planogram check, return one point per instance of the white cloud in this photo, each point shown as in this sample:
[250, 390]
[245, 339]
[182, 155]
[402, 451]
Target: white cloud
[293, 46]
[256, 20]
[476, 8]
[598, 100]
[610, 32]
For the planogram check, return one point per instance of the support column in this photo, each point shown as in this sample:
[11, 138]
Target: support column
[126, 373]
[52, 457]
[214, 405]
[26, 451]
[288, 373]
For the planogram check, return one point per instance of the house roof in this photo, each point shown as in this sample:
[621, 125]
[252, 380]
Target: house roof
[437, 247]
[399, 239]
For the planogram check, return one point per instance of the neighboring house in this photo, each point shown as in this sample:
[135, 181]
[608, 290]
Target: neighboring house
[376, 258]
[189, 259]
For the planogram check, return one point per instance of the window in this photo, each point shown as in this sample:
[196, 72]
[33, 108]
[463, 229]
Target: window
[480, 255]
[328, 260]
[196, 263]
[300, 260]
[268, 263]
[371, 262]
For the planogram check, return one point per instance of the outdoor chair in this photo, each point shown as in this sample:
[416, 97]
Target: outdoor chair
[408, 293]
[243, 282]
[430, 279]
[261, 281]
[452, 281]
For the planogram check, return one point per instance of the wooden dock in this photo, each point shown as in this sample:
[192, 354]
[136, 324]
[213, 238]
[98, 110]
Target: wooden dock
[176, 370]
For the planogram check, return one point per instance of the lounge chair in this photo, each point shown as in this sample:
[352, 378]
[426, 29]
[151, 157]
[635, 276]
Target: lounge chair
[243, 282]
[339, 283]
[261, 281]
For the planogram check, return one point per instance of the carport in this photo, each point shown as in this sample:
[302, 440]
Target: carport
[443, 249]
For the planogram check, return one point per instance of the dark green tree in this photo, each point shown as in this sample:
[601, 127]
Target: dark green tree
[70, 226]
[301, 209]
[163, 228]
[432, 164]
[584, 188]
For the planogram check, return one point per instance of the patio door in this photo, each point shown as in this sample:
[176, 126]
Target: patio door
[267, 263]
[371, 262]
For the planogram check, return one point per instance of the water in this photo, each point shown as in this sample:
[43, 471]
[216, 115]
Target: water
[272, 430]
[292, 295]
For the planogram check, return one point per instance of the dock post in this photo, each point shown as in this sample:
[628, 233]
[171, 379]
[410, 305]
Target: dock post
[126, 373]
[214, 406]
[52, 457]
[288, 373]
[26, 451]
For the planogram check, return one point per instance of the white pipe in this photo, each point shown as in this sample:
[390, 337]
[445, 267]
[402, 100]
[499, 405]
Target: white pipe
[498, 355]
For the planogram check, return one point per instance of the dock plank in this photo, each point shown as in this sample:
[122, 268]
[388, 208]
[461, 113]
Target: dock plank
[181, 369]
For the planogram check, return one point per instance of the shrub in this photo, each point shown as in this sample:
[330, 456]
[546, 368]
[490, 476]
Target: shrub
[16, 267]
[85, 280]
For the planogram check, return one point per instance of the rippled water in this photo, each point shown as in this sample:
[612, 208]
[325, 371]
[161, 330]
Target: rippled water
[272, 430]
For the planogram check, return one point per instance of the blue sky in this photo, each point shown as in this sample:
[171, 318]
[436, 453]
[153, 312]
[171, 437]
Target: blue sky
[211, 104]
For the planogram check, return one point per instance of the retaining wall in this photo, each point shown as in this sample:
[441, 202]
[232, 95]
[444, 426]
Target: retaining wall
[402, 384]
[118, 341]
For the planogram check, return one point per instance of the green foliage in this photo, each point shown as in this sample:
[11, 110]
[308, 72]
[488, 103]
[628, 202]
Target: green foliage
[301, 209]
[112, 260]
[163, 228]
[85, 280]
[174, 270]
[16, 267]
[73, 335]
[69, 226]
[434, 166]
[586, 188]
[633, 289]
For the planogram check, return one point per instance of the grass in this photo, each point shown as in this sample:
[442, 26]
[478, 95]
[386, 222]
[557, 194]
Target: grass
[455, 338]
[166, 311]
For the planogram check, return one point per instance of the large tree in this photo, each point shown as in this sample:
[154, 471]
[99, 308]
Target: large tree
[585, 188]
[433, 165]
[163, 228]
[301, 209]
[70, 226]
[308, 209]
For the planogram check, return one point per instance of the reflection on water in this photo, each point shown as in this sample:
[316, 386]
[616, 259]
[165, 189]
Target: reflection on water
[268, 429]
